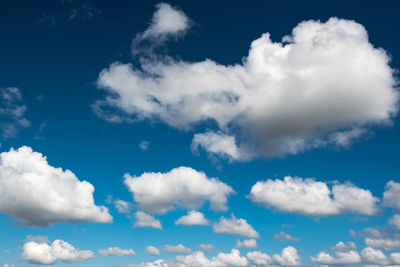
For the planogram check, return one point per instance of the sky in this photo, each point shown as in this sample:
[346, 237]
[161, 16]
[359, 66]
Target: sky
[199, 133]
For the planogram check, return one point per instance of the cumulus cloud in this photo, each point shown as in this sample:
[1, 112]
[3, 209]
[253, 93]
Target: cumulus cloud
[206, 247]
[152, 250]
[146, 220]
[234, 226]
[193, 218]
[282, 236]
[42, 253]
[288, 257]
[247, 243]
[12, 112]
[116, 251]
[39, 194]
[258, 258]
[325, 83]
[233, 258]
[395, 221]
[122, 206]
[177, 249]
[386, 244]
[198, 259]
[310, 197]
[391, 196]
[160, 192]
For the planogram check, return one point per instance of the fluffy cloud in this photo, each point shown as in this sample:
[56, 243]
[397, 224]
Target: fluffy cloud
[177, 249]
[310, 197]
[391, 196]
[288, 257]
[386, 244]
[160, 192]
[282, 236]
[232, 259]
[206, 247]
[12, 112]
[259, 258]
[395, 221]
[42, 253]
[247, 243]
[116, 251]
[323, 84]
[193, 218]
[146, 220]
[152, 250]
[38, 194]
[234, 226]
[198, 259]
[122, 206]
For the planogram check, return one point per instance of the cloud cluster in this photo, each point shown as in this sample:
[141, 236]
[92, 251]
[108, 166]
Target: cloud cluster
[310, 197]
[42, 253]
[185, 187]
[116, 251]
[12, 112]
[325, 83]
[235, 226]
[193, 218]
[38, 194]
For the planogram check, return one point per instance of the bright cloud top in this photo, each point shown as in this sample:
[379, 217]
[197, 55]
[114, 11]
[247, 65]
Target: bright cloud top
[193, 218]
[235, 226]
[42, 253]
[38, 194]
[116, 251]
[323, 84]
[185, 187]
[146, 220]
[310, 197]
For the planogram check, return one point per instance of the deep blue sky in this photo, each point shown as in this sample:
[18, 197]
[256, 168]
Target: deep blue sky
[55, 63]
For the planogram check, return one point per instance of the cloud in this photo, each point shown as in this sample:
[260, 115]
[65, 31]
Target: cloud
[258, 258]
[177, 249]
[146, 220]
[395, 221]
[122, 206]
[206, 247]
[116, 251]
[310, 197]
[193, 218]
[185, 187]
[152, 250]
[37, 239]
[12, 112]
[83, 12]
[232, 258]
[234, 226]
[38, 194]
[282, 236]
[144, 145]
[42, 253]
[325, 84]
[247, 243]
[386, 244]
[391, 196]
[288, 257]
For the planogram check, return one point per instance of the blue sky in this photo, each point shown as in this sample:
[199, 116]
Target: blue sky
[261, 128]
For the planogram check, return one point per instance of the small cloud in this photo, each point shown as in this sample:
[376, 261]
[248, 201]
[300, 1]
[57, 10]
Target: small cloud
[116, 251]
[144, 145]
[152, 250]
[247, 243]
[177, 249]
[146, 220]
[282, 236]
[193, 218]
[206, 247]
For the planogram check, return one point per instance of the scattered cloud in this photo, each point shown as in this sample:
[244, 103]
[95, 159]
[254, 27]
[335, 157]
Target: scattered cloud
[146, 220]
[258, 258]
[123, 206]
[310, 197]
[185, 187]
[325, 84]
[144, 145]
[152, 250]
[206, 247]
[234, 226]
[116, 251]
[193, 218]
[38, 194]
[282, 236]
[288, 257]
[42, 253]
[12, 112]
[386, 244]
[177, 249]
[391, 196]
[247, 243]
[395, 221]
[83, 12]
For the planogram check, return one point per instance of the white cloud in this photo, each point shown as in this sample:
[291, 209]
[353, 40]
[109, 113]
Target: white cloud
[310, 197]
[160, 192]
[288, 257]
[234, 226]
[177, 249]
[246, 243]
[152, 250]
[233, 258]
[342, 247]
[374, 256]
[146, 220]
[391, 196]
[116, 251]
[122, 206]
[12, 112]
[206, 247]
[343, 258]
[193, 218]
[259, 258]
[198, 259]
[38, 194]
[386, 244]
[323, 84]
[282, 236]
[395, 221]
[42, 253]
[144, 145]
